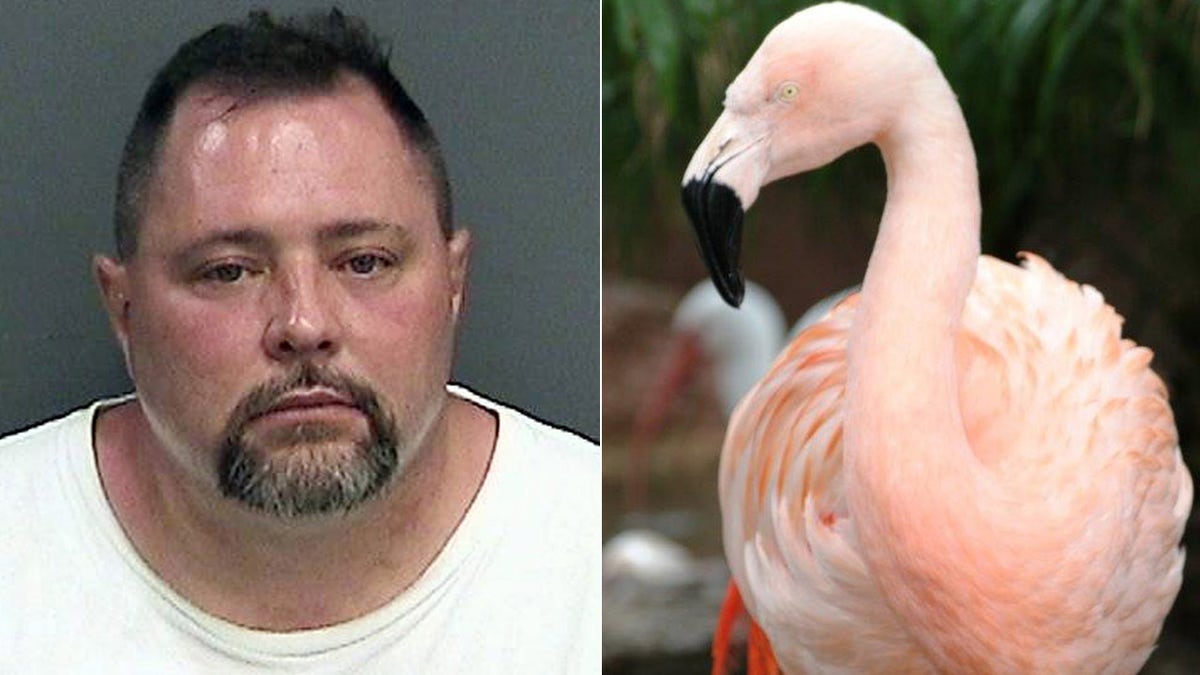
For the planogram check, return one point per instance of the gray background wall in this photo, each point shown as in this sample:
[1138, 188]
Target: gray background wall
[512, 89]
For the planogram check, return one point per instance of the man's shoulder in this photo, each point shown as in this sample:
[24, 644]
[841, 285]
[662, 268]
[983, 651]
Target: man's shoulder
[35, 443]
[569, 445]
[57, 571]
[40, 467]
[38, 500]
[546, 436]
[541, 461]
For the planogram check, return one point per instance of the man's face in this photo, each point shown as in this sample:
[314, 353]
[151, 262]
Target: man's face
[289, 315]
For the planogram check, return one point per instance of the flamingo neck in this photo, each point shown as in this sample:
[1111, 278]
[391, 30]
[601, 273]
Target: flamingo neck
[902, 387]
[914, 486]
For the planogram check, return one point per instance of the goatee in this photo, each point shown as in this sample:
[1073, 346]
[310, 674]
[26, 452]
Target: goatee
[311, 468]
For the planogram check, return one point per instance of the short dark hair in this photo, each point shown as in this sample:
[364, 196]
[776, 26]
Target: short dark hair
[263, 56]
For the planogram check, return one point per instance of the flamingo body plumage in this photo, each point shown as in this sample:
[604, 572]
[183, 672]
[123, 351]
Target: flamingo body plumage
[790, 536]
[964, 467]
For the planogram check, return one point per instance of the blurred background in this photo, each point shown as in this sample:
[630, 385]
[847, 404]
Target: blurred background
[1086, 121]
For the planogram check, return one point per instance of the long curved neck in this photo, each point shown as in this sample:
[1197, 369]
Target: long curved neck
[902, 409]
[915, 488]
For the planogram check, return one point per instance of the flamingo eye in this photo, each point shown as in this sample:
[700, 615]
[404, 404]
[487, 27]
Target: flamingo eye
[788, 91]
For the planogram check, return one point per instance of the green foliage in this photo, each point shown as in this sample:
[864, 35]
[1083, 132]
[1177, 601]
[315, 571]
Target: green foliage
[1054, 92]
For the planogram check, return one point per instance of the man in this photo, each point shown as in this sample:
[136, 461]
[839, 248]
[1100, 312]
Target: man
[293, 486]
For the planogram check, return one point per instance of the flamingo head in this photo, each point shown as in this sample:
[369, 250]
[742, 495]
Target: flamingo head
[826, 80]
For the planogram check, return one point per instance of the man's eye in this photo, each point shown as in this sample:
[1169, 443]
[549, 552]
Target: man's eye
[367, 264]
[225, 273]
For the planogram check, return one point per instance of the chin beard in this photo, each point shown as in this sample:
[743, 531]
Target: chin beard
[308, 469]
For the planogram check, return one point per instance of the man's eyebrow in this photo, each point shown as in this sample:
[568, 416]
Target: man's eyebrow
[250, 237]
[247, 237]
[350, 229]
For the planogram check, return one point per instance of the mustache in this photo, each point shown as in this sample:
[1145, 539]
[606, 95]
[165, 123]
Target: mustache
[263, 398]
[308, 486]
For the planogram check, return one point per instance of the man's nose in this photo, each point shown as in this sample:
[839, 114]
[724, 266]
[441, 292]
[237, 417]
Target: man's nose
[303, 322]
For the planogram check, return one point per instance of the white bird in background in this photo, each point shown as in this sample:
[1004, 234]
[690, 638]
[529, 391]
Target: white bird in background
[737, 344]
[962, 469]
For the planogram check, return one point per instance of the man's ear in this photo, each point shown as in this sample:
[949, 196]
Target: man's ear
[459, 246]
[112, 277]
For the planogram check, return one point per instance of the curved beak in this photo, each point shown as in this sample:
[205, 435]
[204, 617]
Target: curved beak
[720, 183]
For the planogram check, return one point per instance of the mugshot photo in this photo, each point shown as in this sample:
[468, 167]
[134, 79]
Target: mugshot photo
[299, 338]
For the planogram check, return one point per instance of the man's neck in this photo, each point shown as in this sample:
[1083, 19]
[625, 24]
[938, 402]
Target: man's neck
[266, 573]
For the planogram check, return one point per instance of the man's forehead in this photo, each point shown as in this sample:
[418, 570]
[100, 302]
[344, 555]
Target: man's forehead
[236, 160]
[208, 113]
[217, 134]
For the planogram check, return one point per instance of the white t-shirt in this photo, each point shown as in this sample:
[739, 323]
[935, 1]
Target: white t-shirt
[515, 590]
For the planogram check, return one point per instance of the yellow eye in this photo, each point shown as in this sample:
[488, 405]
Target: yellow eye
[788, 91]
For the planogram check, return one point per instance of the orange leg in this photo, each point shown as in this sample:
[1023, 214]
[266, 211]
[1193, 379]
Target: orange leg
[731, 610]
[760, 659]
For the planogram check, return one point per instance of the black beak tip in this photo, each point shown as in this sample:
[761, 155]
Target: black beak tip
[734, 290]
[716, 214]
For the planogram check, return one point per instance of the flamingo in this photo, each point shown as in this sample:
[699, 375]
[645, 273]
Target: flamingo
[962, 469]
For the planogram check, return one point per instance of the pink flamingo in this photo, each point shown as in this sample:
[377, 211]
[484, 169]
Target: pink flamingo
[962, 469]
